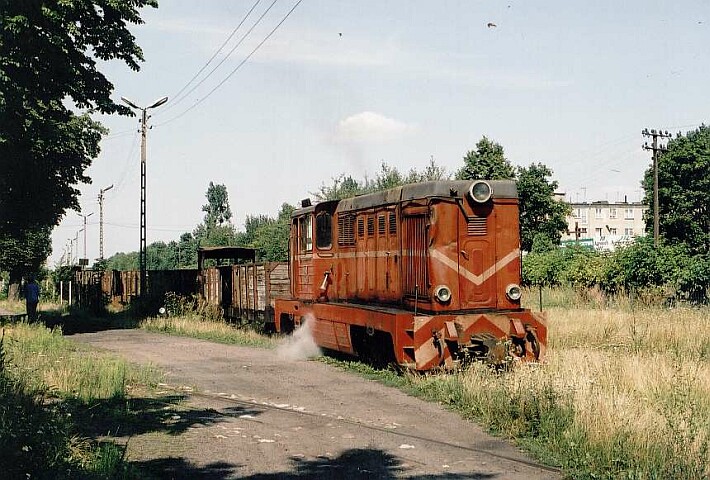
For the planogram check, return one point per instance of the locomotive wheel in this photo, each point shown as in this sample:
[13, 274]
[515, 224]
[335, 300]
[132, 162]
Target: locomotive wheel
[287, 324]
[374, 348]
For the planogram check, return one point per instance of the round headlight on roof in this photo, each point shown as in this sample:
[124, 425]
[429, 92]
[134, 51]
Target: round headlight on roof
[480, 191]
[442, 293]
[513, 292]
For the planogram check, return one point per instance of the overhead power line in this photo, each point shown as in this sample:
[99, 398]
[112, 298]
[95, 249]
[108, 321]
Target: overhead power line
[236, 68]
[127, 163]
[177, 98]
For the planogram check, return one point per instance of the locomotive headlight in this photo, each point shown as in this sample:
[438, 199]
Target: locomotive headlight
[480, 191]
[442, 293]
[513, 292]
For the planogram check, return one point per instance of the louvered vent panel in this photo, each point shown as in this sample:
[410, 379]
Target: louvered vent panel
[393, 223]
[346, 229]
[360, 227]
[477, 226]
[370, 226]
[381, 224]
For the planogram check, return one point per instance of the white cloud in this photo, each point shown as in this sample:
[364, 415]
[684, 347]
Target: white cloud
[370, 127]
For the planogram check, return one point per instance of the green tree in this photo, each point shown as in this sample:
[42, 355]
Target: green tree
[48, 70]
[431, 172]
[343, 186]
[486, 162]
[217, 209]
[540, 213]
[271, 238]
[216, 231]
[252, 225]
[24, 253]
[388, 177]
[683, 191]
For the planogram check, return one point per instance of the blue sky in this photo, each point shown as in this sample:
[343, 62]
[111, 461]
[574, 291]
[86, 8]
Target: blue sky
[342, 86]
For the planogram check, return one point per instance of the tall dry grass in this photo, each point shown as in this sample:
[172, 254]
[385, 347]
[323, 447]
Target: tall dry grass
[622, 394]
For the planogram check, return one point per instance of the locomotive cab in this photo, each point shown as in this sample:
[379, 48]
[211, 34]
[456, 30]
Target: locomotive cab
[430, 271]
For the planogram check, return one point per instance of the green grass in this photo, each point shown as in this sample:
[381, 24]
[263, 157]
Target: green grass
[621, 394]
[217, 331]
[624, 391]
[49, 389]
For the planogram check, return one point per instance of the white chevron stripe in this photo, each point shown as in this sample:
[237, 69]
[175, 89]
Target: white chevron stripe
[476, 279]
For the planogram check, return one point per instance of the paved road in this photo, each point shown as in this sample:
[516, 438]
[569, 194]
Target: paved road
[253, 415]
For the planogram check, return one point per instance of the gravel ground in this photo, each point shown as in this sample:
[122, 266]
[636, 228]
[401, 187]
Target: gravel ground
[250, 414]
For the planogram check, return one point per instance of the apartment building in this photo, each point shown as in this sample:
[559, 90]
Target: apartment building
[605, 224]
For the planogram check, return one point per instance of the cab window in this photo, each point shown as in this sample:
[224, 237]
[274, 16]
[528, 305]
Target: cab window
[324, 230]
[305, 233]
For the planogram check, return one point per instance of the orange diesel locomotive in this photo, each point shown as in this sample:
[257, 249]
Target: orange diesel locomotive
[425, 275]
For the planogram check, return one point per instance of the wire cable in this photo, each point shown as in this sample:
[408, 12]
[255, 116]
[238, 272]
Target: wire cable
[236, 68]
[127, 165]
[219, 64]
[176, 98]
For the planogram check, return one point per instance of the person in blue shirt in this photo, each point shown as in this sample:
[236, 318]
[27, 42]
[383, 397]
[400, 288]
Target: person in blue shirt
[32, 298]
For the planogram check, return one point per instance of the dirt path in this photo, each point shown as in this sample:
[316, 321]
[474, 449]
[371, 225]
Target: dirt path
[260, 417]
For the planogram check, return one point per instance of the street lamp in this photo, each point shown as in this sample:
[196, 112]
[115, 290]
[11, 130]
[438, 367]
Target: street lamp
[144, 134]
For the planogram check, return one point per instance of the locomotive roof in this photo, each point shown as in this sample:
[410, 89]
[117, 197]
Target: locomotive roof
[413, 191]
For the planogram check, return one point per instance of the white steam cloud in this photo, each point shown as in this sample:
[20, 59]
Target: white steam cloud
[370, 127]
[300, 345]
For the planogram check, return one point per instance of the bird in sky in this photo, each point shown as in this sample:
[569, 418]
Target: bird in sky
[491, 25]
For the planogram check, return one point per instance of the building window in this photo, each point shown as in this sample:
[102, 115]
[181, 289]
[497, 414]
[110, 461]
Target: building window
[598, 232]
[628, 231]
[583, 230]
[629, 214]
[612, 213]
[598, 213]
[575, 213]
[583, 215]
[612, 231]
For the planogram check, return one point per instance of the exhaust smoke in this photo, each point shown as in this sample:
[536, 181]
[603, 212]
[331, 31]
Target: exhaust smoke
[300, 345]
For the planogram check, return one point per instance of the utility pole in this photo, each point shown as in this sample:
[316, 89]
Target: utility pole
[576, 232]
[101, 220]
[656, 149]
[85, 217]
[76, 244]
[142, 255]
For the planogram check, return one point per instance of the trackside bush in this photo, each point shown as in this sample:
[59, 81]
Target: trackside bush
[666, 270]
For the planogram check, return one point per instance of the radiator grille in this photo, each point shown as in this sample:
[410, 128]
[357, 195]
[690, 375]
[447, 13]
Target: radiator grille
[416, 271]
[346, 229]
[477, 226]
[393, 223]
